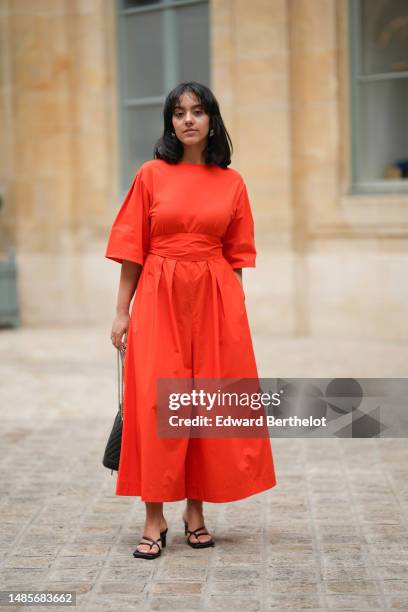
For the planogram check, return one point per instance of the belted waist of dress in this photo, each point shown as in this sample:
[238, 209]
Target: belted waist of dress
[190, 246]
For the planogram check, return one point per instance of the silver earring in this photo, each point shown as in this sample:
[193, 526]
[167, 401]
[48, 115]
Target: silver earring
[173, 134]
[211, 132]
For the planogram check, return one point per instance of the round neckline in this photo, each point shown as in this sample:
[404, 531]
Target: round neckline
[192, 163]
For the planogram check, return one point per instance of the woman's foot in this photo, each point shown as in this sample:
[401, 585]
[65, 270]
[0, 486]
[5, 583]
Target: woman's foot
[194, 518]
[152, 530]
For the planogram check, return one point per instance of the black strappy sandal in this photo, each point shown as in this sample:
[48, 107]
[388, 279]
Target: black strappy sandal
[163, 535]
[189, 533]
[138, 554]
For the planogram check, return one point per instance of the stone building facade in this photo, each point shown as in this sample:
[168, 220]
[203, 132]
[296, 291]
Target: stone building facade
[331, 262]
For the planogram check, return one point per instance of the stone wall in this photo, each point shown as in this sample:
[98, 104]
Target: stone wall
[329, 263]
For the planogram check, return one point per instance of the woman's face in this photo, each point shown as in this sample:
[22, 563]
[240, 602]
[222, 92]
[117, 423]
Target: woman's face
[188, 114]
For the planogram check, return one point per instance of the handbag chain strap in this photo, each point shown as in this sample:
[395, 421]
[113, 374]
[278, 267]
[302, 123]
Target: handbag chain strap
[120, 369]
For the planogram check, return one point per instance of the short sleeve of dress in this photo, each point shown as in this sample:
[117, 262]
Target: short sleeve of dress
[239, 239]
[130, 233]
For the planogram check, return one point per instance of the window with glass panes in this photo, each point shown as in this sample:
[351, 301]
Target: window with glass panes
[379, 95]
[161, 43]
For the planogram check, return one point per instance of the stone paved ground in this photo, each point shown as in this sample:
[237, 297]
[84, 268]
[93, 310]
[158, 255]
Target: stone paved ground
[331, 536]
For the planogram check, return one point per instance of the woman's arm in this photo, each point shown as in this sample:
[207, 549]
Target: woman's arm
[129, 278]
[238, 272]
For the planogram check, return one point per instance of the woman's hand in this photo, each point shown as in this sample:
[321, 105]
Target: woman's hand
[120, 327]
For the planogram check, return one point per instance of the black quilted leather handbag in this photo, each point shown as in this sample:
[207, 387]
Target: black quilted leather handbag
[112, 451]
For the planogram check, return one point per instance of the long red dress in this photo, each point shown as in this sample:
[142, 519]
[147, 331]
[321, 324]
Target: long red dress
[189, 225]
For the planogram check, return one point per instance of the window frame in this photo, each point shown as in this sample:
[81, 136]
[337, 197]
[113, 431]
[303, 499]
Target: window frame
[169, 73]
[357, 185]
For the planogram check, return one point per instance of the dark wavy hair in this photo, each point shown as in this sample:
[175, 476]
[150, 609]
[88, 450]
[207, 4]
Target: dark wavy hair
[218, 149]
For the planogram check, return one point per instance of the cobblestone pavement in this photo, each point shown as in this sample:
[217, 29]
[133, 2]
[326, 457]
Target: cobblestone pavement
[331, 535]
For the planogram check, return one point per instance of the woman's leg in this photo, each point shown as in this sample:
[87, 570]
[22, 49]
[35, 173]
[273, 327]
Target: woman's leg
[154, 524]
[193, 514]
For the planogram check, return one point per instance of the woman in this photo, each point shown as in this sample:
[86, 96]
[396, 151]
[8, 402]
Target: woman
[183, 234]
